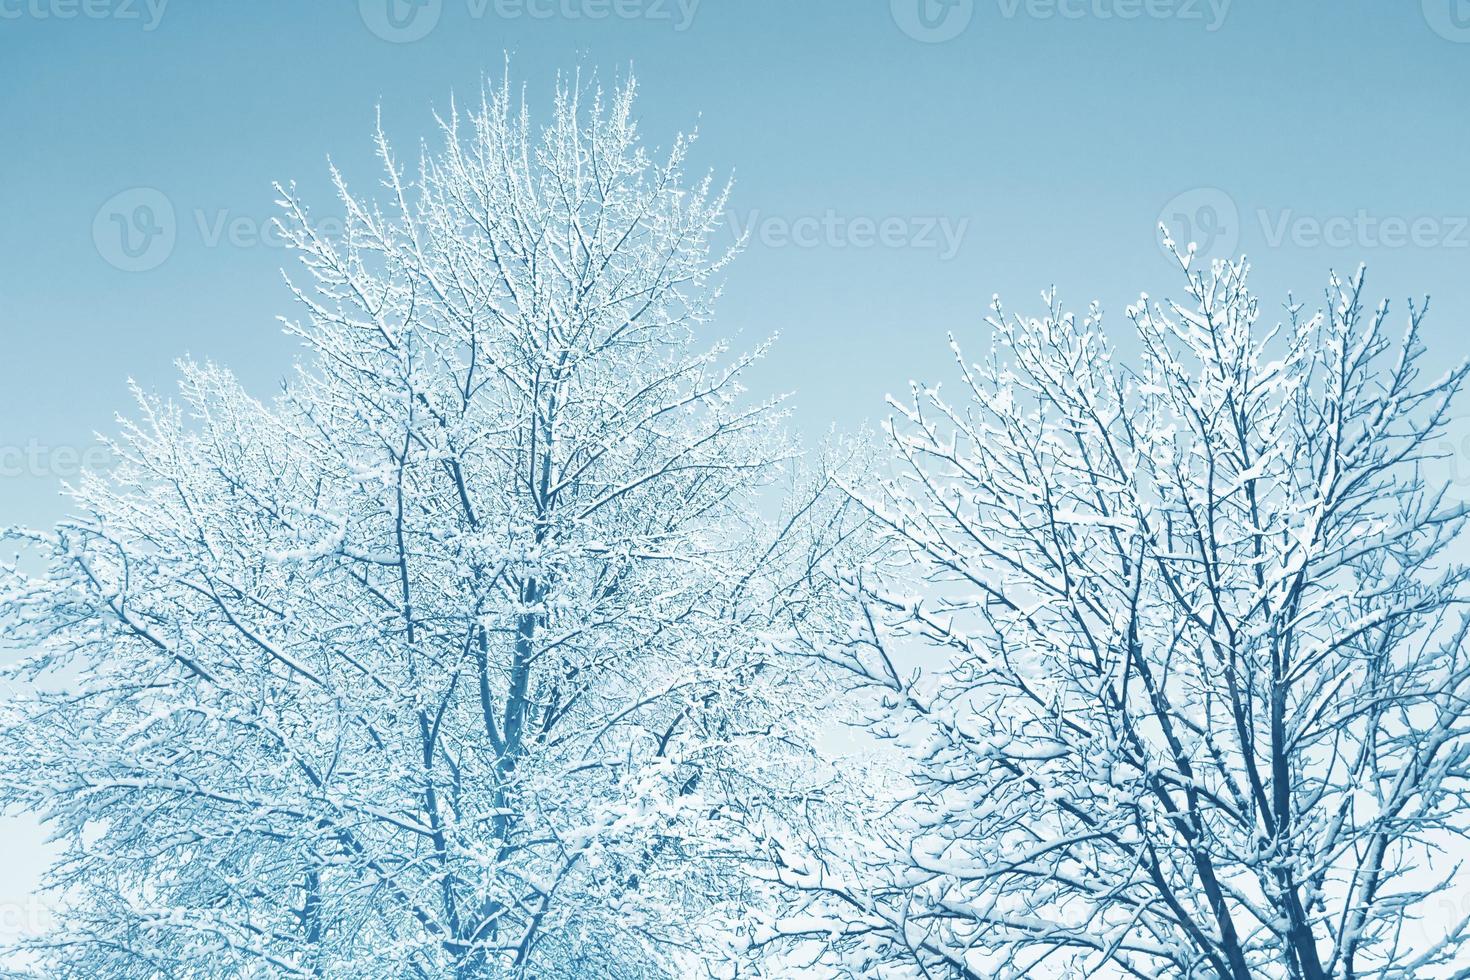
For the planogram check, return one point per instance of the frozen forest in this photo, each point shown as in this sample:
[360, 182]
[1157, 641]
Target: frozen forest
[513, 637]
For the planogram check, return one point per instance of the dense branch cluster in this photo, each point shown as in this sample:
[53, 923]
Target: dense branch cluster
[513, 639]
[429, 666]
[1205, 710]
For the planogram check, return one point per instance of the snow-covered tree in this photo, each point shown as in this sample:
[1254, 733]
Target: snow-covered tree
[1206, 708]
[441, 662]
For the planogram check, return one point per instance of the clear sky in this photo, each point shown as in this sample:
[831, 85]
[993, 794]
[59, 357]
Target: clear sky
[896, 162]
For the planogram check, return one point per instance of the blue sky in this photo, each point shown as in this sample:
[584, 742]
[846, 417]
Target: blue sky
[1010, 145]
[896, 167]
